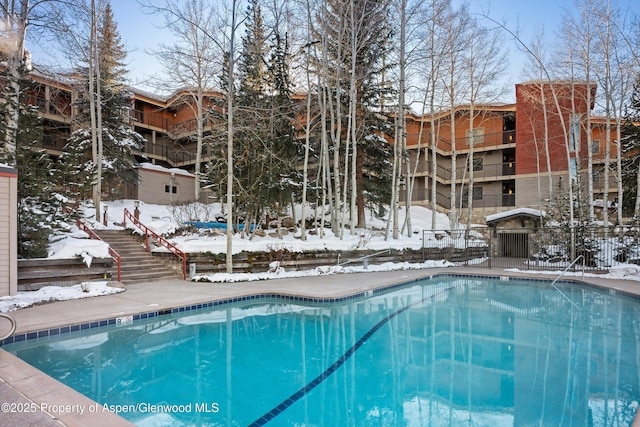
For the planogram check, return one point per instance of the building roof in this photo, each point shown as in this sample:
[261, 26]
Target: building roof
[479, 107]
[514, 213]
[162, 169]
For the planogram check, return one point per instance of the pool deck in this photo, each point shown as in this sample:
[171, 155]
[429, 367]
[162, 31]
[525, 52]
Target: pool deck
[29, 397]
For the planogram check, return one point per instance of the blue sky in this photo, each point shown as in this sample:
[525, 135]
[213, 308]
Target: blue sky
[528, 18]
[141, 33]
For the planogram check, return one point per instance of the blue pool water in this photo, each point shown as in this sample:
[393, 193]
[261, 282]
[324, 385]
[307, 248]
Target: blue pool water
[439, 352]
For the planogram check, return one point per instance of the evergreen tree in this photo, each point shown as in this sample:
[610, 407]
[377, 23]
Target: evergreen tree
[361, 29]
[120, 141]
[264, 149]
[284, 148]
[78, 170]
[631, 147]
[40, 211]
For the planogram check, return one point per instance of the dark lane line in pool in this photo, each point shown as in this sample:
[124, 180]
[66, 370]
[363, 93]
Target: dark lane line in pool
[331, 369]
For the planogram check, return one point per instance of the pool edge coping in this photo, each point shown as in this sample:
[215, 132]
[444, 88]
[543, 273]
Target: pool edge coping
[254, 296]
[9, 364]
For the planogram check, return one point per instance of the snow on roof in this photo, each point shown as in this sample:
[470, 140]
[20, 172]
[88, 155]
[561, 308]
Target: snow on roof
[599, 203]
[157, 168]
[514, 212]
[7, 168]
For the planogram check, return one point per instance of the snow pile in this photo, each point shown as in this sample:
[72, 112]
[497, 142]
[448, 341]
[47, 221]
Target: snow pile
[56, 293]
[160, 219]
[277, 272]
[77, 244]
[625, 272]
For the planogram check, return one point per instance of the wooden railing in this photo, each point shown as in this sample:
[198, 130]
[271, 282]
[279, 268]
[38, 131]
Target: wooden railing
[158, 239]
[92, 234]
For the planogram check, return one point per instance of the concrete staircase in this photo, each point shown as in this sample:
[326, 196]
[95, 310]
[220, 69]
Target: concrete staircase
[136, 264]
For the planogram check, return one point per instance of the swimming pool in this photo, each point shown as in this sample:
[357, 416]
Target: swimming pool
[438, 352]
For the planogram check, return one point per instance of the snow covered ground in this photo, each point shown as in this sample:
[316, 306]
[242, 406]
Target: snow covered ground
[56, 293]
[160, 218]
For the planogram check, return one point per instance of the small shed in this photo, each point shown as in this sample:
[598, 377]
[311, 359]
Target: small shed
[511, 230]
[160, 185]
[8, 230]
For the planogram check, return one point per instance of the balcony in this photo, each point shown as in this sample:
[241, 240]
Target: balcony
[149, 120]
[444, 199]
[59, 108]
[492, 201]
[174, 155]
[482, 172]
[481, 142]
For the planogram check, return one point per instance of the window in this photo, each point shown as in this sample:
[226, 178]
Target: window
[478, 136]
[477, 193]
[477, 164]
[170, 189]
[595, 146]
[596, 176]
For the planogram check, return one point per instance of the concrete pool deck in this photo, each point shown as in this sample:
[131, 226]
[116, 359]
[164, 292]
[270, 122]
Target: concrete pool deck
[29, 397]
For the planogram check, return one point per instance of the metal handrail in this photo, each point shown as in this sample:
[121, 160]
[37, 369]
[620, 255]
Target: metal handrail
[13, 325]
[362, 258]
[562, 273]
[92, 234]
[158, 238]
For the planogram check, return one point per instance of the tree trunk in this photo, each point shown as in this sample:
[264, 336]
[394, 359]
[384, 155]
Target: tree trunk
[230, 71]
[92, 110]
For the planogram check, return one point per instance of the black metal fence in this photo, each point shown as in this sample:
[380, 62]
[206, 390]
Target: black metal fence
[546, 248]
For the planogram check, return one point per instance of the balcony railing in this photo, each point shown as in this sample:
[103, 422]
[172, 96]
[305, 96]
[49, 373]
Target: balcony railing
[55, 106]
[444, 199]
[150, 119]
[480, 140]
[176, 156]
[492, 170]
[158, 121]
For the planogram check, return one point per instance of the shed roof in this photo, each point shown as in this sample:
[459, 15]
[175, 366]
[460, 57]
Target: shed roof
[514, 213]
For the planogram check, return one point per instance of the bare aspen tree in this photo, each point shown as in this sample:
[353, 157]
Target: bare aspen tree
[15, 18]
[547, 85]
[629, 40]
[222, 33]
[435, 53]
[309, 45]
[399, 137]
[230, 106]
[400, 133]
[410, 20]
[627, 70]
[90, 14]
[607, 84]
[192, 62]
[96, 108]
[457, 39]
[352, 42]
[576, 56]
[484, 62]
[332, 86]
[351, 142]
[616, 75]
[538, 48]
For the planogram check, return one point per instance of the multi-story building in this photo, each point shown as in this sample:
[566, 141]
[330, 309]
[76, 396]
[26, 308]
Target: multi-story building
[522, 152]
